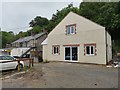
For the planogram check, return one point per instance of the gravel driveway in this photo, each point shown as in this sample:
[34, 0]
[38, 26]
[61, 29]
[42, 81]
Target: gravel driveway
[64, 75]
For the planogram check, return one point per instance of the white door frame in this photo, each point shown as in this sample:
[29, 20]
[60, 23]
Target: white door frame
[71, 54]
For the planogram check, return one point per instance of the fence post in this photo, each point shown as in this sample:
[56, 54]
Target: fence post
[18, 65]
[32, 62]
[29, 63]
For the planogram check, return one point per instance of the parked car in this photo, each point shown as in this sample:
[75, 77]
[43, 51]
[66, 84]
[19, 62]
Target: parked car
[11, 64]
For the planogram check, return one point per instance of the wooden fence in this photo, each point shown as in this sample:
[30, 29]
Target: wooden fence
[31, 63]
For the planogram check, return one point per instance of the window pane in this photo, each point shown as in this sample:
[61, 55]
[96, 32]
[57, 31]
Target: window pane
[68, 30]
[72, 29]
[8, 58]
[92, 50]
[4, 58]
[1, 58]
[54, 50]
[74, 53]
[67, 53]
[87, 50]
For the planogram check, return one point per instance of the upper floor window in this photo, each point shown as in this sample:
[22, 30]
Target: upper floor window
[71, 29]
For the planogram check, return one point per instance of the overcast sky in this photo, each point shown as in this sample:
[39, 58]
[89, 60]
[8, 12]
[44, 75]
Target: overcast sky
[17, 15]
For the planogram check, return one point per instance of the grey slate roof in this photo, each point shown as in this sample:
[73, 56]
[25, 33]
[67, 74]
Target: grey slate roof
[28, 38]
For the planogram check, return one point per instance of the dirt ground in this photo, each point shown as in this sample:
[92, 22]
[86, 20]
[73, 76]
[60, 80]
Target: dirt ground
[62, 75]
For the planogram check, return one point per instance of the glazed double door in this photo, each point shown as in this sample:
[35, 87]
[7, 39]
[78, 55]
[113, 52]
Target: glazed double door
[71, 53]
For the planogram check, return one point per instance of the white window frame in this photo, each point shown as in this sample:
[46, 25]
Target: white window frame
[70, 32]
[71, 54]
[90, 54]
[57, 52]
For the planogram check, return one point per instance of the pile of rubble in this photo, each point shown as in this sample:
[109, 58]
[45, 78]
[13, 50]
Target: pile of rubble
[115, 62]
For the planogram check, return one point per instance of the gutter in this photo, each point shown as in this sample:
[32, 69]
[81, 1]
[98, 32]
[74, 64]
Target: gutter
[106, 47]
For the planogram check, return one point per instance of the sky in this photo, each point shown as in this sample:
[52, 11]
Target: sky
[17, 14]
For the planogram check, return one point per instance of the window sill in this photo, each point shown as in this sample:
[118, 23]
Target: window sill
[90, 55]
[56, 54]
[71, 34]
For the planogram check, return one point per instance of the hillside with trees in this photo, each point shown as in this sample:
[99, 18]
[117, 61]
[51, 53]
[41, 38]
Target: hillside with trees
[105, 14]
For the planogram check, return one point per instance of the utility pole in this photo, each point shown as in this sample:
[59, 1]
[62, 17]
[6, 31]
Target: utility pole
[0, 38]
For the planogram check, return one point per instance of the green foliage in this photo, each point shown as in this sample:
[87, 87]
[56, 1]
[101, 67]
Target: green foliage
[59, 16]
[50, 26]
[39, 21]
[106, 14]
[38, 24]
[37, 29]
[116, 47]
[7, 38]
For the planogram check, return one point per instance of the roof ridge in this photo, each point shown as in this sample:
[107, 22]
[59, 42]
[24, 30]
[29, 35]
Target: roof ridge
[28, 38]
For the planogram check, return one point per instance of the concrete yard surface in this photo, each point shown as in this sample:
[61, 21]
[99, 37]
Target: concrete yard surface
[64, 75]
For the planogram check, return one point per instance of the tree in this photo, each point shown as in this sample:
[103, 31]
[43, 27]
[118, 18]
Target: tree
[58, 17]
[7, 38]
[105, 14]
[39, 21]
[38, 24]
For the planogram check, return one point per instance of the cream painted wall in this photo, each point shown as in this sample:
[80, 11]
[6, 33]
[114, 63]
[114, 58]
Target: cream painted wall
[84, 37]
[109, 47]
[87, 32]
[45, 53]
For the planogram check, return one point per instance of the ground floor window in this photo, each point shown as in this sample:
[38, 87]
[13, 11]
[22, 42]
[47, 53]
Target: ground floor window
[56, 49]
[89, 49]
